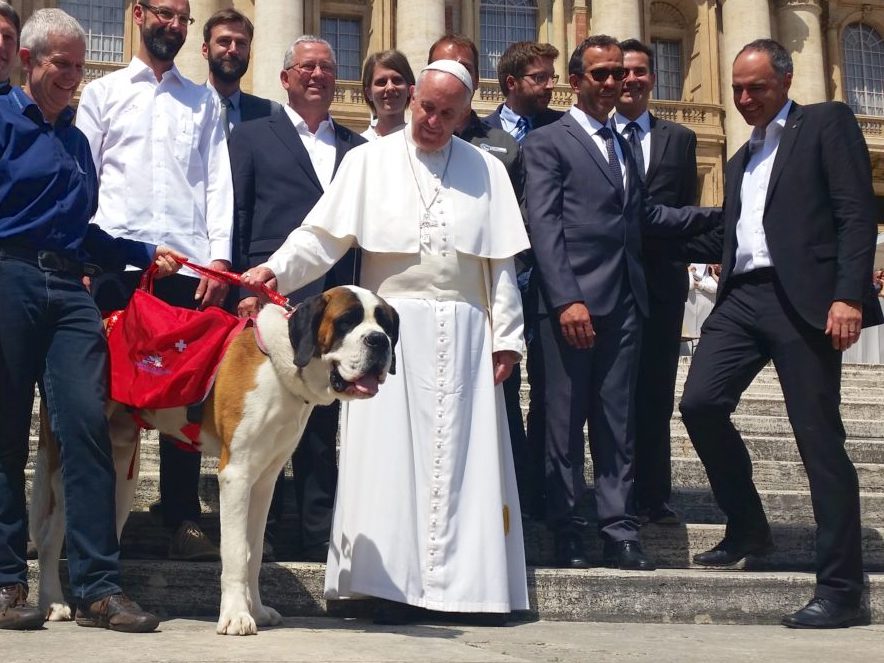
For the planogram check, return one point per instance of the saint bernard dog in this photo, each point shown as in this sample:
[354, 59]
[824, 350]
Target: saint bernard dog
[339, 344]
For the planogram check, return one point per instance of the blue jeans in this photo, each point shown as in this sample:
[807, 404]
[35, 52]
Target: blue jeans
[51, 331]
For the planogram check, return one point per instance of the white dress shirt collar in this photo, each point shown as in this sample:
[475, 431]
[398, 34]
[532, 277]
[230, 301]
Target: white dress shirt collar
[320, 145]
[643, 121]
[592, 126]
[139, 70]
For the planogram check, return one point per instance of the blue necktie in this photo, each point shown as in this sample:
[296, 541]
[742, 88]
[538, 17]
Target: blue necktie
[523, 126]
[613, 161]
[634, 138]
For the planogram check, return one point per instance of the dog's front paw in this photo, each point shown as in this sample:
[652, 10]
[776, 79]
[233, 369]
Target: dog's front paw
[58, 612]
[237, 623]
[266, 616]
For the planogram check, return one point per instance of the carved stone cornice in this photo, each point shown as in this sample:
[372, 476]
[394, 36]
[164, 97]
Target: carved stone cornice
[807, 5]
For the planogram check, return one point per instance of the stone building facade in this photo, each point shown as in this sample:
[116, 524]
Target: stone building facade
[837, 47]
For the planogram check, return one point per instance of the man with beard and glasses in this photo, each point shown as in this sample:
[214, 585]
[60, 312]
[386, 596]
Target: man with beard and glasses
[164, 177]
[227, 44]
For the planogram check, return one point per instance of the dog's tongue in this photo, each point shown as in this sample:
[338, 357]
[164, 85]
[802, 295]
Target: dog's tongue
[367, 384]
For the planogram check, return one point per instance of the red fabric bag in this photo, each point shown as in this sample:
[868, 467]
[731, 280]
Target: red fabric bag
[165, 356]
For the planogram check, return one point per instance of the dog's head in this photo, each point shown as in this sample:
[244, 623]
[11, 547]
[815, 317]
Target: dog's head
[353, 332]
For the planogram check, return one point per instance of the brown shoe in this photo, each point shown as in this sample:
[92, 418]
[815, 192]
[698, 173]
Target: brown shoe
[190, 544]
[117, 612]
[15, 613]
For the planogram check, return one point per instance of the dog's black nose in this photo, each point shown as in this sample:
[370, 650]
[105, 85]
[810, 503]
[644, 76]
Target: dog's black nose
[376, 340]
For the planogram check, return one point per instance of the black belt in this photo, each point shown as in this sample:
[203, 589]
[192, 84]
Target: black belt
[48, 261]
[760, 275]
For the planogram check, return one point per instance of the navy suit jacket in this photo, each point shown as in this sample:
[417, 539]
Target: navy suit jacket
[820, 214]
[253, 108]
[275, 187]
[586, 231]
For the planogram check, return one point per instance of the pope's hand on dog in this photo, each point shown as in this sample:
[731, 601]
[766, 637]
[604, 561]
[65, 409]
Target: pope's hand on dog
[504, 360]
[167, 260]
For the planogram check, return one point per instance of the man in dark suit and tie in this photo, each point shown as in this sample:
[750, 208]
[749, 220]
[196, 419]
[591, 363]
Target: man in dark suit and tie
[281, 165]
[665, 154]
[227, 45]
[796, 247]
[587, 211]
[527, 76]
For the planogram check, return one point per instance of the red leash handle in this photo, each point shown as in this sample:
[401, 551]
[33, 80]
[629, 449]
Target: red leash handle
[230, 278]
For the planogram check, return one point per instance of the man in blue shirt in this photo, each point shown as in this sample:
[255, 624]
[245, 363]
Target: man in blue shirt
[51, 331]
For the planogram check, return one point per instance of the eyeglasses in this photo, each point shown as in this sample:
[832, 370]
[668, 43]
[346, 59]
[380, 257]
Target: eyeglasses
[542, 78]
[309, 68]
[601, 74]
[167, 15]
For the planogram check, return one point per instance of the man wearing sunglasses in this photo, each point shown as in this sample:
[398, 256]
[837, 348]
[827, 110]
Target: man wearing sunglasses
[666, 158]
[164, 177]
[587, 212]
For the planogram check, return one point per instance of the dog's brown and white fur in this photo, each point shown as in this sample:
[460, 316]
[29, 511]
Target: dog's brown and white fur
[336, 345]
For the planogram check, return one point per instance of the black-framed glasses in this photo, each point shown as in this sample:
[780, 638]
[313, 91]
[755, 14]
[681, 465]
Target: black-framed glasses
[542, 78]
[601, 74]
[308, 68]
[166, 15]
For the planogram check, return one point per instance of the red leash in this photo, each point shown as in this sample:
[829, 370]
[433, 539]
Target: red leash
[234, 279]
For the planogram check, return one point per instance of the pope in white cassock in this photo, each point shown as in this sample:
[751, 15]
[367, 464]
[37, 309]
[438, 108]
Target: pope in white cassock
[427, 511]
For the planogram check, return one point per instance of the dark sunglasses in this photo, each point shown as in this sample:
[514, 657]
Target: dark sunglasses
[601, 75]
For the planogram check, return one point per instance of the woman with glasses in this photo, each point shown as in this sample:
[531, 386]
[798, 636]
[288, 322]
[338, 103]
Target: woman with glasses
[387, 85]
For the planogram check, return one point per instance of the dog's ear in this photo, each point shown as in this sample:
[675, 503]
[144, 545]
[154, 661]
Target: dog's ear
[393, 332]
[304, 328]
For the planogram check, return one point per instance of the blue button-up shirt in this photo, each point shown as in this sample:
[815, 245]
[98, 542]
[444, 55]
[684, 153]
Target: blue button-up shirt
[49, 190]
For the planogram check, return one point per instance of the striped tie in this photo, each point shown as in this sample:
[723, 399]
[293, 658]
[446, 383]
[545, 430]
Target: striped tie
[613, 161]
[523, 126]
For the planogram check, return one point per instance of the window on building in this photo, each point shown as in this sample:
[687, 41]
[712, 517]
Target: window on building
[345, 36]
[864, 69]
[502, 23]
[667, 63]
[103, 22]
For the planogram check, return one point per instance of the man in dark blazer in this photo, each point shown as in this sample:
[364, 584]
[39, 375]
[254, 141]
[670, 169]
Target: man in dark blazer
[227, 44]
[796, 249]
[666, 156]
[281, 165]
[587, 211]
[527, 75]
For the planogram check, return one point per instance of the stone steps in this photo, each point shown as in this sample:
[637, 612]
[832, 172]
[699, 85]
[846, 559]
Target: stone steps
[764, 447]
[602, 595]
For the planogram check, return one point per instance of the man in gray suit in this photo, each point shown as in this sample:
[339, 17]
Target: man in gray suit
[587, 212]
[227, 45]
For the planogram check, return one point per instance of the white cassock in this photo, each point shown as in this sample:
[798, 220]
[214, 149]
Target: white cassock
[427, 511]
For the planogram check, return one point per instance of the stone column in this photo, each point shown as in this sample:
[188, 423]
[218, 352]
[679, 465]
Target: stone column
[190, 58]
[618, 18]
[800, 32]
[418, 24]
[277, 24]
[742, 21]
[560, 38]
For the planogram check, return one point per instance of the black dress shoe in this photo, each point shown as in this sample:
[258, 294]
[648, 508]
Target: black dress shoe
[729, 551]
[626, 556]
[15, 613]
[823, 613]
[570, 553]
[660, 515]
[394, 613]
[117, 612]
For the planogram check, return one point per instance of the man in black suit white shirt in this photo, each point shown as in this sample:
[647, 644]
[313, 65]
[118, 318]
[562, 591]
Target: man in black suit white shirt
[281, 164]
[796, 246]
[666, 158]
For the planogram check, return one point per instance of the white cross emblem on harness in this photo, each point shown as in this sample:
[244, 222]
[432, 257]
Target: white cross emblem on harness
[181, 345]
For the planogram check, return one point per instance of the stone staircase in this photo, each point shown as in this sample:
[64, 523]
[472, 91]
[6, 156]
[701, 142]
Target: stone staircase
[678, 592]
